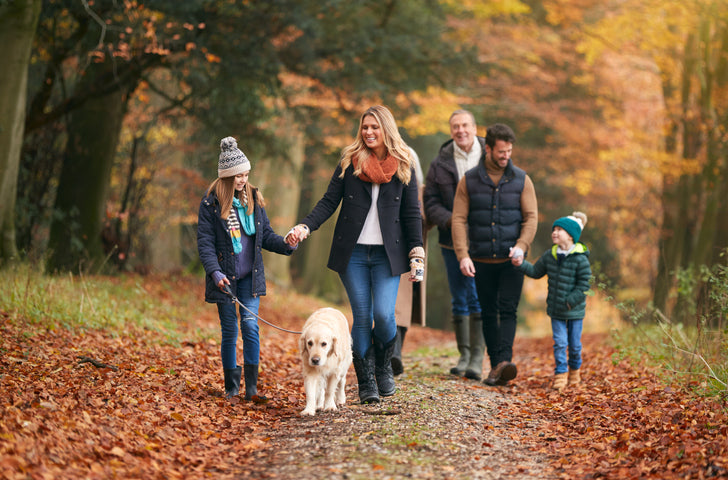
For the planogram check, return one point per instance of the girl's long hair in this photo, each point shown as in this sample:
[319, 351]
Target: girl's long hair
[392, 141]
[224, 190]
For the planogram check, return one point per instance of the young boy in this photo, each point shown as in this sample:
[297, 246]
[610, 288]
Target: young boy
[567, 266]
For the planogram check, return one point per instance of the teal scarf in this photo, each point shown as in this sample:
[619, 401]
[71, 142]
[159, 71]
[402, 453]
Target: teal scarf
[234, 227]
[247, 220]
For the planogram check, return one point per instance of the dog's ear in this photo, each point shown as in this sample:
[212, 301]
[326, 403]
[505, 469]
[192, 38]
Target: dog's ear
[332, 350]
[302, 343]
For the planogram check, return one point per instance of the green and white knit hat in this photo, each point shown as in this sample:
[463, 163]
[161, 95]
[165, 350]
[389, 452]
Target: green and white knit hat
[232, 160]
[573, 224]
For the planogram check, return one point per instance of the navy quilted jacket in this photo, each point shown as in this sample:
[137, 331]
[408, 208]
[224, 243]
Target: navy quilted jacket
[216, 248]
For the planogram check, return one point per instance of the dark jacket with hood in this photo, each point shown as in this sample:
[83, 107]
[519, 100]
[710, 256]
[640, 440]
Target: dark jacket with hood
[216, 248]
[568, 281]
[440, 186]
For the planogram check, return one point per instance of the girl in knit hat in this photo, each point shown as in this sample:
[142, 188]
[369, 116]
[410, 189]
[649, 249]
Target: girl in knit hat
[569, 274]
[232, 228]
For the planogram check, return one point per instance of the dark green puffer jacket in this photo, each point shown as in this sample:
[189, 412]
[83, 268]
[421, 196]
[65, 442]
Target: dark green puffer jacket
[568, 281]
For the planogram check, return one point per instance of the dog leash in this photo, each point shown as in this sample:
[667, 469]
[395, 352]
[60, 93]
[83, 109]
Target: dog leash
[235, 299]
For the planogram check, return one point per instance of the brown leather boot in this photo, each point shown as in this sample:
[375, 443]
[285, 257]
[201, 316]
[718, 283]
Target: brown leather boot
[502, 373]
[559, 381]
[574, 377]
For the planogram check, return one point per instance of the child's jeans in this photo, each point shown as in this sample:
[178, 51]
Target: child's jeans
[248, 324]
[567, 334]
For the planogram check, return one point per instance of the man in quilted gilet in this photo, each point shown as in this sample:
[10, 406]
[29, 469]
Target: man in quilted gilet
[494, 219]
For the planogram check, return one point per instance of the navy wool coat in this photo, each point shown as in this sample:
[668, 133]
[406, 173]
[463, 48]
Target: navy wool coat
[216, 248]
[400, 220]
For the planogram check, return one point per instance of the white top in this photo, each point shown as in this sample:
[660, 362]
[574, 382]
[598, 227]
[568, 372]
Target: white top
[371, 233]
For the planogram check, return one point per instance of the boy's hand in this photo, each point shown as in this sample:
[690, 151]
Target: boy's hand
[517, 261]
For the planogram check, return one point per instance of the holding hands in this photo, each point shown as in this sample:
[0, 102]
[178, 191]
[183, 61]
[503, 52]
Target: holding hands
[297, 234]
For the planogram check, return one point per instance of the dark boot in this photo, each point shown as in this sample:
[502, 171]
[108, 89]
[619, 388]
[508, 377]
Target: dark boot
[477, 347]
[232, 381]
[461, 325]
[383, 367]
[397, 366]
[364, 367]
[251, 382]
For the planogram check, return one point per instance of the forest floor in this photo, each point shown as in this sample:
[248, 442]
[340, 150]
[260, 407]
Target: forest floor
[106, 404]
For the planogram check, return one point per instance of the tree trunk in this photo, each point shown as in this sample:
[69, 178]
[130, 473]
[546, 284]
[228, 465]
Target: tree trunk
[93, 135]
[280, 182]
[18, 20]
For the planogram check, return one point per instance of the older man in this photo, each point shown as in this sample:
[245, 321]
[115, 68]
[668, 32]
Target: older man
[494, 219]
[458, 155]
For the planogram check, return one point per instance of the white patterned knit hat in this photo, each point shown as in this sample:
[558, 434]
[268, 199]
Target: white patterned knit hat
[232, 160]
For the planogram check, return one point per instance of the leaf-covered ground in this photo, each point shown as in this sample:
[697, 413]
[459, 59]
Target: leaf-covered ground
[106, 404]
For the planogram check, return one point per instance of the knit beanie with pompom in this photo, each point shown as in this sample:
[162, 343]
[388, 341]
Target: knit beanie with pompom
[232, 160]
[573, 224]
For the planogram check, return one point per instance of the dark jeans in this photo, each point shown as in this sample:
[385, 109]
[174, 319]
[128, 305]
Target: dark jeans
[462, 288]
[499, 288]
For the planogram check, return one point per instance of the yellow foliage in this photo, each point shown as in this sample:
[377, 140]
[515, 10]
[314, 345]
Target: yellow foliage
[484, 9]
[431, 109]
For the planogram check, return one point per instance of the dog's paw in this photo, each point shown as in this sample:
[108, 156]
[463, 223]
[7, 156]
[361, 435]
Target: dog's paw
[308, 412]
[330, 407]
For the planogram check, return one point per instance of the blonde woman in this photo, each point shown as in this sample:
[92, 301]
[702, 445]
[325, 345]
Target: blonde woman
[378, 237]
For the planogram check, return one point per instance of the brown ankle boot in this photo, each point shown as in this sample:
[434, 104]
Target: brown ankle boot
[559, 381]
[574, 377]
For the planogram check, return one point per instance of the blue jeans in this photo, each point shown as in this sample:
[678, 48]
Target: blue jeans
[462, 288]
[567, 333]
[248, 324]
[372, 292]
[499, 288]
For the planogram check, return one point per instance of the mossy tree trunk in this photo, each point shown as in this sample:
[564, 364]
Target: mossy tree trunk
[93, 135]
[18, 20]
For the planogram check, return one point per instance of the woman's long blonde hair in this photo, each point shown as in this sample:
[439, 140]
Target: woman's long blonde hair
[224, 190]
[392, 141]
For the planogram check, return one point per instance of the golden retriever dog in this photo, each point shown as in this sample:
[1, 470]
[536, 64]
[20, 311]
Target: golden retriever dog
[325, 346]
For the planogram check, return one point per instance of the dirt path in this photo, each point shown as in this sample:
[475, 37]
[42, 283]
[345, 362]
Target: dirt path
[436, 426]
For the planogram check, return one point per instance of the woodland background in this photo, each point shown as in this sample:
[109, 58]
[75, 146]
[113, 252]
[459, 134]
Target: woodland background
[111, 113]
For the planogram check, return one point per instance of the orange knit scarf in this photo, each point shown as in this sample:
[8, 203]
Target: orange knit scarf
[376, 171]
